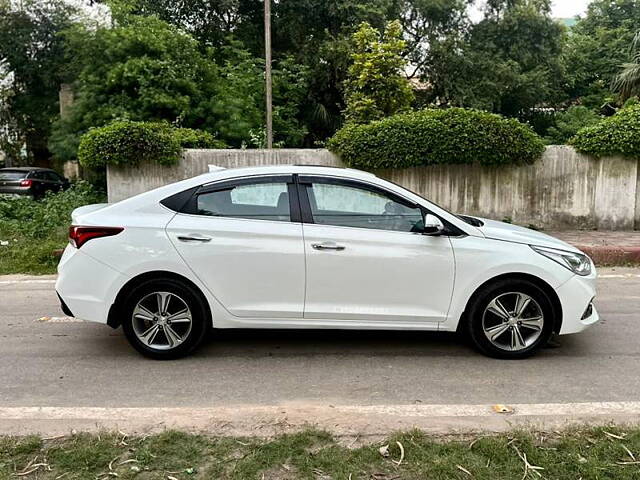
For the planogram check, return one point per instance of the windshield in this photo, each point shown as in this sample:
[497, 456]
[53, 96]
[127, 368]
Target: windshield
[12, 175]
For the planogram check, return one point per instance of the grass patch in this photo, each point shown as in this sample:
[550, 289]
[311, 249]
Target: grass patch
[30, 230]
[30, 255]
[589, 453]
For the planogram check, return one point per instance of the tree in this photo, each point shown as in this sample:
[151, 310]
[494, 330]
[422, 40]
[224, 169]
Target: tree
[568, 123]
[313, 34]
[31, 70]
[238, 107]
[208, 22]
[508, 63]
[376, 86]
[426, 23]
[143, 69]
[627, 83]
[597, 45]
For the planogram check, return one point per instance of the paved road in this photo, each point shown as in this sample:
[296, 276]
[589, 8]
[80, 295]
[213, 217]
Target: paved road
[83, 364]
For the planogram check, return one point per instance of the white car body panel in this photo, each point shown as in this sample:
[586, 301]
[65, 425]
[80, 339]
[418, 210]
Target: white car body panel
[265, 274]
[265, 258]
[347, 285]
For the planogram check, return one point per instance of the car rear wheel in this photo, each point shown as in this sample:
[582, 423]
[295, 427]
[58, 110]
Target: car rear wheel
[164, 319]
[510, 319]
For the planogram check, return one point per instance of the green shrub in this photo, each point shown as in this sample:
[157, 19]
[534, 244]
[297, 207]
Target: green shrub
[616, 135]
[430, 137]
[128, 143]
[39, 218]
[190, 138]
[31, 230]
[569, 122]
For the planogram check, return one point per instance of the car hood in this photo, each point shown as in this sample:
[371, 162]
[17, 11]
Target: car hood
[513, 233]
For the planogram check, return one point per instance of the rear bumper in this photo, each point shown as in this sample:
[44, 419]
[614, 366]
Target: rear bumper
[86, 287]
[63, 306]
[15, 191]
[575, 296]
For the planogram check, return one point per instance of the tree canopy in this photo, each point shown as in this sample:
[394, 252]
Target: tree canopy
[376, 86]
[32, 68]
[200, 64]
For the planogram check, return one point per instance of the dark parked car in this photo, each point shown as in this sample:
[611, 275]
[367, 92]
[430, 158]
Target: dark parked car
[33, 181]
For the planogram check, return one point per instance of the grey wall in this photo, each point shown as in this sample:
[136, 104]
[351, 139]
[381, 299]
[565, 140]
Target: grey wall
[562, 190]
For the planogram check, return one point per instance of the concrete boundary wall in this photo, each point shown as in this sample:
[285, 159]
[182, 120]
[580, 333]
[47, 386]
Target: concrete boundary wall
[562, 190]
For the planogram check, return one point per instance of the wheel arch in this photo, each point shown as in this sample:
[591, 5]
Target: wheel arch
[540, 283]
[114, 316]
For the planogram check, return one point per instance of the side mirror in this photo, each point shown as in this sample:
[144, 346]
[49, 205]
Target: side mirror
[432, 225]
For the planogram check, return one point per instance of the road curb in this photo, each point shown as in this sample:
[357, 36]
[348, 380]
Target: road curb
[340, 420]
[612, 255]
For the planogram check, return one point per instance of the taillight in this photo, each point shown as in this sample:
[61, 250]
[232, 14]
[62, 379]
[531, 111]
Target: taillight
[26, 183]
[78, 236]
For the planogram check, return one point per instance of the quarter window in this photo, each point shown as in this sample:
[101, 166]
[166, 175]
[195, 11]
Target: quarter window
[259, 201]
[352, 206]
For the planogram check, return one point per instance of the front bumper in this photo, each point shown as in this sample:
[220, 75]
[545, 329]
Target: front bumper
[575, 296]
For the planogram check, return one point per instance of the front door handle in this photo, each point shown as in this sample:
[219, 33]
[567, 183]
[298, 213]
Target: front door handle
[194, 238]
[327, 246]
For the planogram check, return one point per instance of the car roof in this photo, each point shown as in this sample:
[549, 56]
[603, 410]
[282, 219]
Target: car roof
[224, 173]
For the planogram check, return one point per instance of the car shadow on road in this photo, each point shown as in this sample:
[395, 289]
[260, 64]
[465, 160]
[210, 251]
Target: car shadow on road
[261, 343]
[333, 342]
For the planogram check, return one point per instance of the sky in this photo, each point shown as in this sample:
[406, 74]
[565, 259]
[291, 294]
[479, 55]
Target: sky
[560, 9]
[569, 8]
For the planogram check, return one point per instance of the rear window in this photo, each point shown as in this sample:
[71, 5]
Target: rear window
[9, 175]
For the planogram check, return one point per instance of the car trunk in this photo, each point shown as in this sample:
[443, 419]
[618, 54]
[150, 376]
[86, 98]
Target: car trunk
[78, 213]
[10, 181]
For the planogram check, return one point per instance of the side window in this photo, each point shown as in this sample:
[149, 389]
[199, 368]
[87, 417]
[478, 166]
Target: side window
[52, 176]
[352, 206]
[258, 201]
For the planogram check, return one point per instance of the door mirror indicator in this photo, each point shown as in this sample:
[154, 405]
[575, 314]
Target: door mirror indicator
[432, 225]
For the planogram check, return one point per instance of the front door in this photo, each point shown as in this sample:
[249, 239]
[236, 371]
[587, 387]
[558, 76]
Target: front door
[239, 238]
[366, 260]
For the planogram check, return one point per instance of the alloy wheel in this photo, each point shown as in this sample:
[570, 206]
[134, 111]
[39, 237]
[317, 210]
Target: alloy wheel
[513, 321]
[162, 320]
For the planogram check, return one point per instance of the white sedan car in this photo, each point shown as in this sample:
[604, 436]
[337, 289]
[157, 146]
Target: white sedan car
[315, 247]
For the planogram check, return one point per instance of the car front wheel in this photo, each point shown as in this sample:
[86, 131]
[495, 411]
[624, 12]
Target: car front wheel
[510, 319]
[164, 319]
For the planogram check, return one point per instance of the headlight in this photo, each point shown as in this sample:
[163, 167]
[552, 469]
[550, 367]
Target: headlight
[576, 262]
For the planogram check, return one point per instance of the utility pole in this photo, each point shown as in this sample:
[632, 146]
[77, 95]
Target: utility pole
[267, 65]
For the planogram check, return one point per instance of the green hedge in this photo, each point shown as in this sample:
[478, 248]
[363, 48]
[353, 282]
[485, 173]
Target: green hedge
[429, 137]
[616, 135]
[128, 143]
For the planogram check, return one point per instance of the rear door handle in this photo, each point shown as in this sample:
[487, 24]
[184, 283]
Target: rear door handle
[194, 238]
[327, 246]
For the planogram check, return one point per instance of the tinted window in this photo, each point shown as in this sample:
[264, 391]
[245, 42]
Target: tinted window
[259, 201]
[52, 176]
[11, 175]
[352, 206]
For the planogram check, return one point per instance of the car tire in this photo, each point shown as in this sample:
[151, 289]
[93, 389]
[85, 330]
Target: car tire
[496, 327]
[163, 335]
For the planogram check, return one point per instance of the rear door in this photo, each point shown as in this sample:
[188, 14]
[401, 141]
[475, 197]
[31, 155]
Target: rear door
[243, 239]
[54, 182]
[367, 261]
